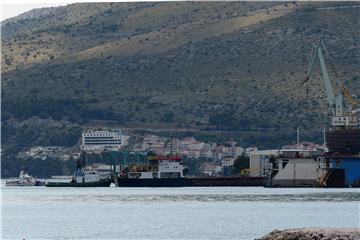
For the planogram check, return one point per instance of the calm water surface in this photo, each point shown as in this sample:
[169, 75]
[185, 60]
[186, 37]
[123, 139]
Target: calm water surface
[171, 213]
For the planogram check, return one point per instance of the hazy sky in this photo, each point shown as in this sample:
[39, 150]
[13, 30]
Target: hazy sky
[12, 10]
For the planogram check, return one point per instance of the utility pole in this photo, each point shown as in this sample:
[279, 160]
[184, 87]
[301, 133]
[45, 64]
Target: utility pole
[171, 145]
[298, 138]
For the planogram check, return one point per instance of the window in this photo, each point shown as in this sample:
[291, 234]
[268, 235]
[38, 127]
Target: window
[134, 175]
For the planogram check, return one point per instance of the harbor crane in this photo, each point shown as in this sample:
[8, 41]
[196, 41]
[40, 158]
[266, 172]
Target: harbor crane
[341, 118]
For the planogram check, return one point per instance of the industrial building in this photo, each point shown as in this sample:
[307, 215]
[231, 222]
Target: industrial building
[257, 161]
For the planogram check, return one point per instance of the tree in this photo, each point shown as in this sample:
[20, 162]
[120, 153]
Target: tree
[241, 162]
[168, 117]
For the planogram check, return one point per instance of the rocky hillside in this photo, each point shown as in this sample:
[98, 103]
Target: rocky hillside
[199, 65]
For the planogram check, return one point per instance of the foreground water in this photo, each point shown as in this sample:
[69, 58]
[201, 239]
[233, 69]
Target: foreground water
[171, 213]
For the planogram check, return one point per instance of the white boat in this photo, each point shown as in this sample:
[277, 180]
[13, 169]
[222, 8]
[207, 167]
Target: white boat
[25, 179]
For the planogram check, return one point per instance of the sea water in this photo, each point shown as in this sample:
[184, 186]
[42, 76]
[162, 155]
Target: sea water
[171, 213]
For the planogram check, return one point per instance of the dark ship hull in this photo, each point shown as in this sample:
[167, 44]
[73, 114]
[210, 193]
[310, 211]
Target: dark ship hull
[191, 182]
[154, 182]
[237, 181]
[101, 183]
[346, 141]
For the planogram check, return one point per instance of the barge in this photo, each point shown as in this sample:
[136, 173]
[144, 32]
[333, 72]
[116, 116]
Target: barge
[235, 181]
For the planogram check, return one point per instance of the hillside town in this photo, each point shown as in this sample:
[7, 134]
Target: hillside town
[216, 158]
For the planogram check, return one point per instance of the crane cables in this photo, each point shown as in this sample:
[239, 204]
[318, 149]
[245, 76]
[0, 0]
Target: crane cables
[343, 88]
[311, 62]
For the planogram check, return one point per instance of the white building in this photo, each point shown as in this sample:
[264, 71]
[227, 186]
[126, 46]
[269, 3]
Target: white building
[211, 169]
[43, 153]
[227, 162]
[232, 151]
[248, 150]
[100, 140]
[153, 143]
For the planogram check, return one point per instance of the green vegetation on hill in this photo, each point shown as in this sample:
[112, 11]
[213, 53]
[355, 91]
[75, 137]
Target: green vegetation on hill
[37, 167]
[229, 66]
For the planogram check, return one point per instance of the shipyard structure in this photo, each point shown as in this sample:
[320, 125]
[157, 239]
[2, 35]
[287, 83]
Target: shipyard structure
[337, 163]
[342, 160]
[320, 167]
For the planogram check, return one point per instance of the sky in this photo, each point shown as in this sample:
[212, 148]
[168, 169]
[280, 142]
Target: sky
[11, 10]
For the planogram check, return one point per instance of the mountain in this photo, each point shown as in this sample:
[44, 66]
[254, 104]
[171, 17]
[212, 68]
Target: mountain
[230, 66]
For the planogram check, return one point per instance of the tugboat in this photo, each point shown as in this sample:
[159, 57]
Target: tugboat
[162, 171]
[82, 178]
[24, 180]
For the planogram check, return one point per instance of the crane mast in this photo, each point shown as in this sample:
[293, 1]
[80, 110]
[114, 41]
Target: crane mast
[335, 102]
[340, 118]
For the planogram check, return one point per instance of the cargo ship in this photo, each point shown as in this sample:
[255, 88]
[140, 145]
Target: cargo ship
[168, 171]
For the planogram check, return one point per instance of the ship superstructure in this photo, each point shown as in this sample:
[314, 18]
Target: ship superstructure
[160, 167]
[160, 171]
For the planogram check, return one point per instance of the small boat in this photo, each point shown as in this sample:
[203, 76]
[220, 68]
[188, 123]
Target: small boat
[24, 180]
